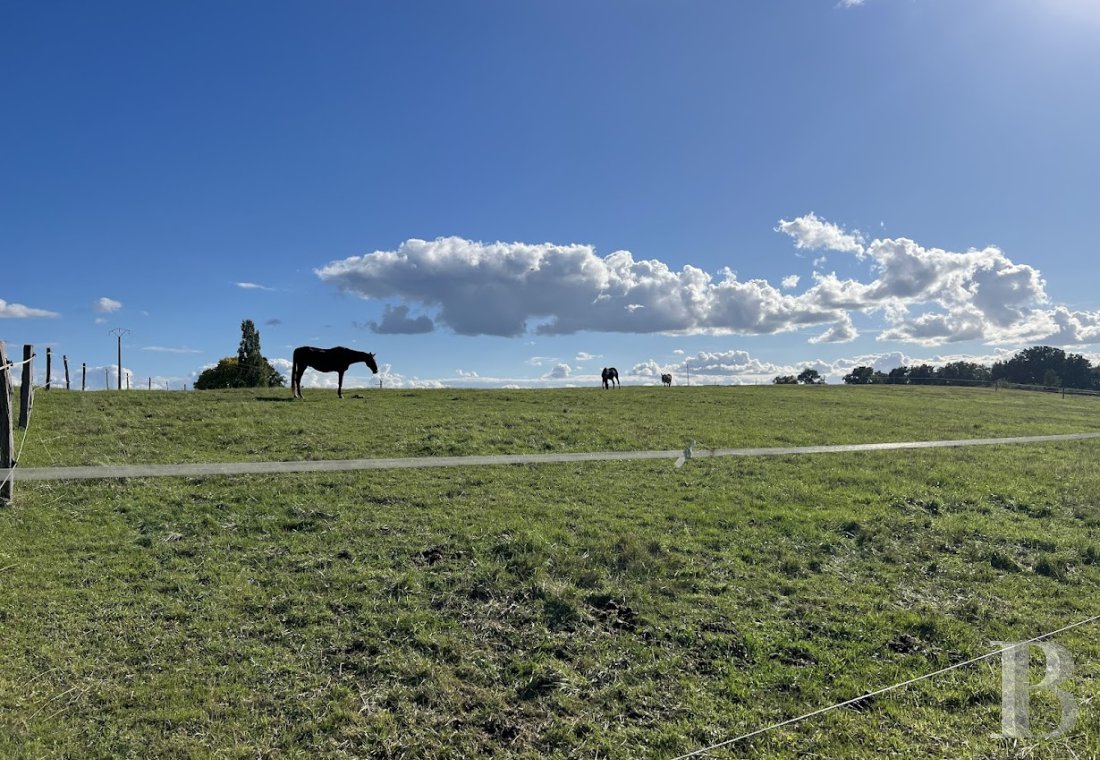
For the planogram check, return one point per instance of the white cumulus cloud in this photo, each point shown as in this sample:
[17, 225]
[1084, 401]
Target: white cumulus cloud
[107, 305]
[19, 311]
[509, 289]
[814, 233]
[920, 294]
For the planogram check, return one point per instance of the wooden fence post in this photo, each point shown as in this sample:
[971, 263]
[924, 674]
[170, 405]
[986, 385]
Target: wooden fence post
[7, 442]
[25, 388]
[65, 359]
[49, 366]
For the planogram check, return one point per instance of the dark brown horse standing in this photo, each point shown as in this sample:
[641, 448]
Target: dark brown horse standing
[336, 359]
[610, 375]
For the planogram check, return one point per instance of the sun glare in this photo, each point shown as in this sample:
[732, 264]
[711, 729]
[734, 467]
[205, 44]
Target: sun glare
[1075, 11]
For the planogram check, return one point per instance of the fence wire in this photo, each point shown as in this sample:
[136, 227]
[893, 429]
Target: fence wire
[884, 690]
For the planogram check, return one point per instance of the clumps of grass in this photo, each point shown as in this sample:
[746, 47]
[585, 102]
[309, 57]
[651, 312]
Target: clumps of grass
[1053, 567]
[998, 560]
[627, 555]
[299, 520]
[435, 554]
[537, 677]
[906, 643]
[523, 554]
[561, 611]
[613, 613]
[851, 529]
[878, 538]
[930, 506]
[401, 586]
[1020, 507]
[792, 567]
[794, 656]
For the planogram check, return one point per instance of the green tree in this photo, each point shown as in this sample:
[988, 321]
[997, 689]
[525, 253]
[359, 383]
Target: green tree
[250, 362]
[810, 377]
[248, 369]
[962, 370]
[922, 374]
[225, 374]
[1030, 366]
[1077, 372]
[785, 380]
[898, 375]
[1039, 365]
[860, 376]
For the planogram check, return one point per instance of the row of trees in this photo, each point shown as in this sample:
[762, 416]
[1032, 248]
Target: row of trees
[922, 374]
[248, 369]
[1039, 365]
[805, 377]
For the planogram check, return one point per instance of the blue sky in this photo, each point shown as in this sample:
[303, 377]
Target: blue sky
[520, 193]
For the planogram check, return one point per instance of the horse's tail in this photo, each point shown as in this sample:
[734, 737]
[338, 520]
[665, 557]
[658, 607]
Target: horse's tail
[294, 374]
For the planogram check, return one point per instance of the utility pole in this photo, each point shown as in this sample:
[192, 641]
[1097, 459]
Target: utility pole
[119, 331]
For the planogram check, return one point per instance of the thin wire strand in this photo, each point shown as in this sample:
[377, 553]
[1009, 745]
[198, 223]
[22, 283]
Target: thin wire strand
[875, 693]
[22, 443]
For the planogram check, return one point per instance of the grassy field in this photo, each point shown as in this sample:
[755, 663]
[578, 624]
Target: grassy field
[619, 609]
[158, 427]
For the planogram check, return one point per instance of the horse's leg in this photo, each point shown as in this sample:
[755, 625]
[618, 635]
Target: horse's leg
[296, 379]
[340, 385]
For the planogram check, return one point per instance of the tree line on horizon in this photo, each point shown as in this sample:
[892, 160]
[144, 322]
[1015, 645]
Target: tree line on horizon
[1044, 366]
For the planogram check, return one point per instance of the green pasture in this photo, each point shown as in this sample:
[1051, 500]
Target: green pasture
[162, 427]
[596, 610]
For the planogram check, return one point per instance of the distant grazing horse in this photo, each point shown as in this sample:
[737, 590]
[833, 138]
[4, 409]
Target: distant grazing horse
[667, 380]
[336, 359]
[610, 375]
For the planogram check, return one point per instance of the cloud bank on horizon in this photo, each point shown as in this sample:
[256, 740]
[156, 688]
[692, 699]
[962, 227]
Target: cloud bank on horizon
[925, 296]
